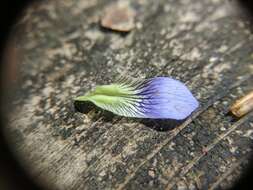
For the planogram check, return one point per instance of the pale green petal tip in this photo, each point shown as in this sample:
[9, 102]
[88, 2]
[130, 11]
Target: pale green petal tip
[120, 99]
[81, 98]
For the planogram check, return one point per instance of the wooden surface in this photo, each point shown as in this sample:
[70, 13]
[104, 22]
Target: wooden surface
[64, 53]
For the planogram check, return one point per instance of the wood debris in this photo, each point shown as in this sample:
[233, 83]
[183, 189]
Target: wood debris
[119, 17]
[243, 105]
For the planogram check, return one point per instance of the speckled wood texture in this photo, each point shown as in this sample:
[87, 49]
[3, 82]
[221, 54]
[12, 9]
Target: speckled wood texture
[207, 45]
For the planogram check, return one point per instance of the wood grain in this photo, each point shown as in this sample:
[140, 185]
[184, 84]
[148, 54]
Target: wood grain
[65, 52]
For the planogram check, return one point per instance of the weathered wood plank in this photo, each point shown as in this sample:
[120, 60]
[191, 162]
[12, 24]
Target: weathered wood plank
[206, 44]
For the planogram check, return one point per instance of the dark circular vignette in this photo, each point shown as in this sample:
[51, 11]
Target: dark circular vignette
[12, 175]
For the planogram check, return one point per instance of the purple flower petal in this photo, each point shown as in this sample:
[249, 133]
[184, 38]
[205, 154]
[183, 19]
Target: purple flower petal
[166, 98]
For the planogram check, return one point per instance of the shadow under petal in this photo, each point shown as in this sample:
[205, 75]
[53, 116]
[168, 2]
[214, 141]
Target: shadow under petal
[162, 124]
[83, 107]
[155, 124]
[88, 107]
